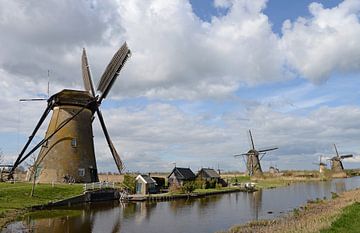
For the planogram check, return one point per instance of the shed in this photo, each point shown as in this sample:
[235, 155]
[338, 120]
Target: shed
[208, 174]
[145, 184]
[180, 175]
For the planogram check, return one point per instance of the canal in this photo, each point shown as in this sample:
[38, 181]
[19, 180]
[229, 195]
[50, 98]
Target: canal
[203, 215]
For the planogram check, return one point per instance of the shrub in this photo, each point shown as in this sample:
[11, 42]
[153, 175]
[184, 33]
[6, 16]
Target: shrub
[129, 183]
[188, 187]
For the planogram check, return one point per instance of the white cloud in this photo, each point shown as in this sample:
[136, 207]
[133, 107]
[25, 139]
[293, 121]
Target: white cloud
[325, 43]
[176, 55]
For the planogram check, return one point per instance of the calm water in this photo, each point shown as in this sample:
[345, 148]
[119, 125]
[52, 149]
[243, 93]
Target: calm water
[207, 214]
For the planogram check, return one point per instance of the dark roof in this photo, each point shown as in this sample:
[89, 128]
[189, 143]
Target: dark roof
[183, 173]
[210, 172]
[148, 179]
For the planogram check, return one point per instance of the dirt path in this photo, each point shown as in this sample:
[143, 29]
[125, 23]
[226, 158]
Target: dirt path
[310, 218]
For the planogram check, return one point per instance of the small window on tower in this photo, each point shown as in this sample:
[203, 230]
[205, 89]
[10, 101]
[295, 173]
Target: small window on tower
[73, 142]
[81, 171]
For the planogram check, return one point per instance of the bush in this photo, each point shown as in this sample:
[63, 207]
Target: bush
[200, 184]
[129, 183]
[188, 187]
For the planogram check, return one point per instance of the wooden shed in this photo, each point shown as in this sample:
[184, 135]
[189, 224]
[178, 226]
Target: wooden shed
[145, 185]
[208, 174]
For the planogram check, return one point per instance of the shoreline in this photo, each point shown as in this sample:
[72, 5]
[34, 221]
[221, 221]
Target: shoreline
[314, 216]
[8, 215]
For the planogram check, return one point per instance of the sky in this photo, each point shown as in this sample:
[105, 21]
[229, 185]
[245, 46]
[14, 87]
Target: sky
[202, 73]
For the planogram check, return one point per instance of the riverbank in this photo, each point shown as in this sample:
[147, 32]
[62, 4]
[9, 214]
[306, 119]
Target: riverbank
[195, 194]
[317, 215]
[15, 198]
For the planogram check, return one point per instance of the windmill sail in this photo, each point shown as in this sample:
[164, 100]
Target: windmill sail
[118, 162]
[265, 150]
[346, 156]
[86, 74]
[112, 71]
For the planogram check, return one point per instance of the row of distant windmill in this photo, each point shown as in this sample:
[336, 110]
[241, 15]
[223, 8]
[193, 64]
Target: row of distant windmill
[67, 151]
[253, 167]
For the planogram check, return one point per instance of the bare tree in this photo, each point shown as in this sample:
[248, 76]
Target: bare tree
[32, 168]
[1, 156]
[1, 168]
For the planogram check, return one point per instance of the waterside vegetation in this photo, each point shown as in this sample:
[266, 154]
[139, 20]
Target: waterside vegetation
[337, 215]
[15, 198]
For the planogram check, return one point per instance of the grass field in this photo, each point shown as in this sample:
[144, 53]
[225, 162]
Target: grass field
[347, 222]
[15, 197]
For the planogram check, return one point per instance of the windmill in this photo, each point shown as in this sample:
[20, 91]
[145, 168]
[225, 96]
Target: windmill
[67, 151]
[322, 166]
[336, 161]
[252, 158]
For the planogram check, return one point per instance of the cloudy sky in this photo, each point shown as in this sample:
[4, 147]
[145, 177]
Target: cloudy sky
[201, 74]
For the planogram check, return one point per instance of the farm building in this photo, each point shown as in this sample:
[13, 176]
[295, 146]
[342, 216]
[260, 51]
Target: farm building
[180, 175]
[145, 185]
[208, 174]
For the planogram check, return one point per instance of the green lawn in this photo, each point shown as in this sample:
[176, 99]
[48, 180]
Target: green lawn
[17, 196]
[347, 222]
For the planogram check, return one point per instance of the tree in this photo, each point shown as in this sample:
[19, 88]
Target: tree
[129, 183]
[33, 169]
[1, 156]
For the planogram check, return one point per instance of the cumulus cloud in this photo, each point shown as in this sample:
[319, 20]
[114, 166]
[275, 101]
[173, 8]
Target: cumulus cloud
[177, 55]
[161, 134]
[325, 43]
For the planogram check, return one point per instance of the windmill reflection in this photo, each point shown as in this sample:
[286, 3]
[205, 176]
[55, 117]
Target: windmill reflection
[255, 201]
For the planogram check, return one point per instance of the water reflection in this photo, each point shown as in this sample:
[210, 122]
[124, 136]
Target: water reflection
[255, 201]
[208, 214]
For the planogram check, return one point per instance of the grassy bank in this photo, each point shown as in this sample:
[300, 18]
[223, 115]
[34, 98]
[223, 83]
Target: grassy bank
[337, 215]
[15, 198]
[349, 221]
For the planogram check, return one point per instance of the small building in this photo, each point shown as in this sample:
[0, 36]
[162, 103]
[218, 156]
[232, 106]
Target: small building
[273, 170]
[145, 185]
[180, 175]
[208, 174]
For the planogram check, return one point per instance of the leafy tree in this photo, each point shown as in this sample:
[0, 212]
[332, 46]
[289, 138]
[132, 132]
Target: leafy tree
[129, 183]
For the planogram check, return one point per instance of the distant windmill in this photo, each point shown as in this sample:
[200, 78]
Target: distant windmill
[67, 151]
[252, 158]
[322, 166]
[336, 161]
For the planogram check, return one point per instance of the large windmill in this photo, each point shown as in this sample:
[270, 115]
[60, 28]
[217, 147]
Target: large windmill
[67, 151]
[336, 161]
[253, 158]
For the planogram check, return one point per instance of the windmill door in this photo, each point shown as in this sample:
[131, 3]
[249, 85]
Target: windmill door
[94, 175]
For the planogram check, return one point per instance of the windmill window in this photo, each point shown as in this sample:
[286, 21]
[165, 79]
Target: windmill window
[81, 171]
[73, 142]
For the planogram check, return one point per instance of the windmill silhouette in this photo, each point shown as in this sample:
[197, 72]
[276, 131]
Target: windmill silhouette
[253, 158]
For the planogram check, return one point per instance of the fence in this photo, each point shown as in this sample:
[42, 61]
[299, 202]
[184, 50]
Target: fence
[98, 185]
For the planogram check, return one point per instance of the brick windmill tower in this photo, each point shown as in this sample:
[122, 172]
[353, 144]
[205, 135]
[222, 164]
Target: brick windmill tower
[337, 167]
[67, 151]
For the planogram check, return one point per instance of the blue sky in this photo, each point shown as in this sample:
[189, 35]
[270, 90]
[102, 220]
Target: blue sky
[201, 74]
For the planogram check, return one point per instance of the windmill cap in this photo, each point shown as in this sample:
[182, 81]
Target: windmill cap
[73, 98]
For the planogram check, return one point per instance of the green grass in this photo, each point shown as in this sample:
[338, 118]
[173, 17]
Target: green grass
[271, 183]
[17, 196]
[347, 222]
[200, 191]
